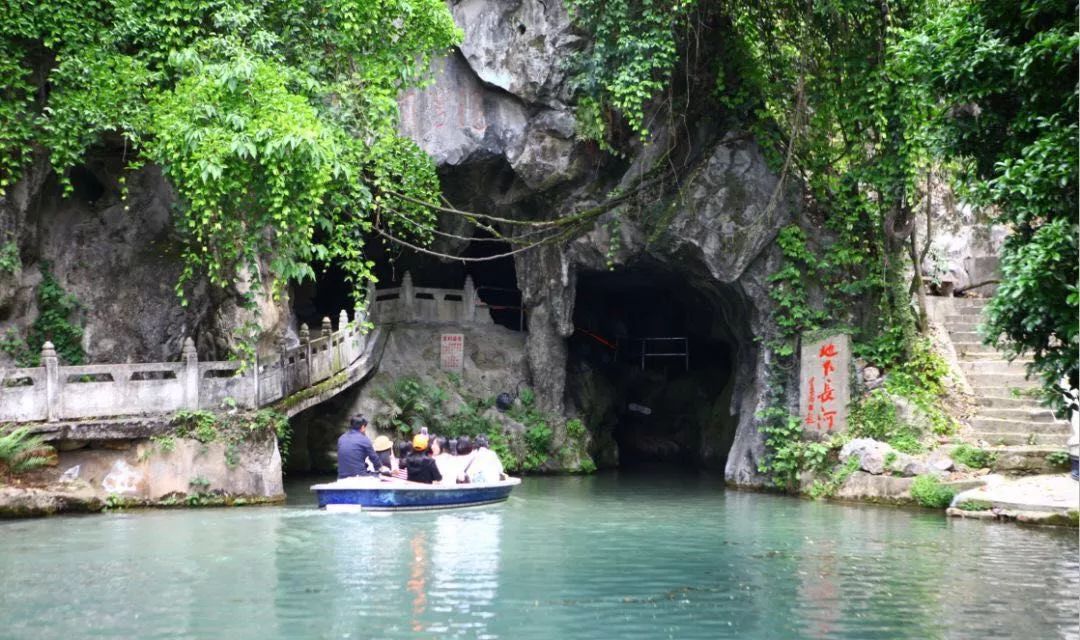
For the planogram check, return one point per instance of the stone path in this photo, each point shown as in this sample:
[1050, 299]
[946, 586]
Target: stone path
[1054, 498]
[1010, 415]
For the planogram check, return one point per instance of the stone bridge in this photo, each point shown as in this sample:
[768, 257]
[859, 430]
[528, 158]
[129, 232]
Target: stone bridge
[122, 401]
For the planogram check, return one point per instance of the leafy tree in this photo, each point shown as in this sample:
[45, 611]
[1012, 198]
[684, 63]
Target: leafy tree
[1003, 76]
[274, 120]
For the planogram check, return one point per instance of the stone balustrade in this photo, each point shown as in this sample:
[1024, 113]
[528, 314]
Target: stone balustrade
[54, 393]
[409, 303]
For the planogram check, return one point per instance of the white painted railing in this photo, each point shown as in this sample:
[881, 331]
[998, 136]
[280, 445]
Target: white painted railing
[52, 392]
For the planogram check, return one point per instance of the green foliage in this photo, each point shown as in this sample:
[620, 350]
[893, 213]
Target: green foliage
[198, 425]
[165, 443]
[1058, 458]
[57, 322]
[1001, 77]
[788, 453]
[973, 457]
[929, 492]
[276, 121]
[836, 479]
[974, 505]
[632, 55]
[527, 397]
[575, 429]
[413, 405]
[10, 261]
[18, 449]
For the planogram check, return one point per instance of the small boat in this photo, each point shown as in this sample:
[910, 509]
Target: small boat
[388, 494]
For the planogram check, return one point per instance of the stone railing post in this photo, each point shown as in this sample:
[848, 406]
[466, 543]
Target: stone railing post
[407, 298]
[342, 321]
[370, 301]
[327, 328]
[305, 342]
[190, 359]
[468, 300]
[360, 317]
[52, 381]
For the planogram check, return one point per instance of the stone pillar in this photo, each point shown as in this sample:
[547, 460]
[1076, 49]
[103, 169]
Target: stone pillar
[360, 318]
[189, 357]
[327, 328]
[407, 298]
[370, 301]
[305, 344]
[468, 301]
[343, 321]
[51, 362]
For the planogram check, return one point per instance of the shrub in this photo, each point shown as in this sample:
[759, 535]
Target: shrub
[973, 457]
[929, 492]
[17, 449]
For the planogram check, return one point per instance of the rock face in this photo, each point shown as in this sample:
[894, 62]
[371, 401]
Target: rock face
[498, 120]
[494, 362]
[870, 453]
[120, 260]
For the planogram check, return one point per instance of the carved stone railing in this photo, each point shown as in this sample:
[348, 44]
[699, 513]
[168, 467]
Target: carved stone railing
[409, 303]
[54, 393]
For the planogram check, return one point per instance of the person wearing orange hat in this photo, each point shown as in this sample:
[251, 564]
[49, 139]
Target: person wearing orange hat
[420, 465]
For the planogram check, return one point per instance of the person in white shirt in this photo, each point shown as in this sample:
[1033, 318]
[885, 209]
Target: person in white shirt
[485, 466]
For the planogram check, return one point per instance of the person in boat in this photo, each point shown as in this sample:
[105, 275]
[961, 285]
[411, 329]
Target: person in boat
[384, 448]
[355, 450]
[404, 448]
[463, 460]
[446, 462]
[420, 465]
[485, 466]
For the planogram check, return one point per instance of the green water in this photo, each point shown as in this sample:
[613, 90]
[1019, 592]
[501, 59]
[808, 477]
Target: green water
[612, 556]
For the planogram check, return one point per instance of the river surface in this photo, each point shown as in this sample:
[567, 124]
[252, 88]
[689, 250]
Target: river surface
[610, 556]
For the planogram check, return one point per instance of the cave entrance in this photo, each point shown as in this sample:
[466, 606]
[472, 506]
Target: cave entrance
[652, 366]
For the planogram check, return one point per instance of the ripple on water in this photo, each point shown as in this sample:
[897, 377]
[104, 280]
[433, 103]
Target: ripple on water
[601, 557]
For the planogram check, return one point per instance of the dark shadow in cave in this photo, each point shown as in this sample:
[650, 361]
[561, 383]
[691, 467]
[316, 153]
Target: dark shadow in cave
[672, 405]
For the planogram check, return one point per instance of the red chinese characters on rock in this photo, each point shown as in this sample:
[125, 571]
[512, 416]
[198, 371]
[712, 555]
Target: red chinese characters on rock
[821, 405]
[452, 352]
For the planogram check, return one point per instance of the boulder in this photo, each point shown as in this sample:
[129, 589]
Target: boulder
[870, 453]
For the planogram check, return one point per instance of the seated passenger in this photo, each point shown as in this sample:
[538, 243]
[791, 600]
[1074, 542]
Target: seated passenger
[447, 463]
[403, 451]
[464, 459]
[355, 453]
[383, 448]
[486, 466]
[420, 465]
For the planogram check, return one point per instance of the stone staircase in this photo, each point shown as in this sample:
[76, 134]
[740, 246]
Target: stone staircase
[1009, 413]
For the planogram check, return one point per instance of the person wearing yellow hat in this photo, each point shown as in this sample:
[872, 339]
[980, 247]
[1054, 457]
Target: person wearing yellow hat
[383, 447]
[420, 465]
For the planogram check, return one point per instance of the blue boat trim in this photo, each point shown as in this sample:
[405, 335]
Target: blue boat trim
[376, 494]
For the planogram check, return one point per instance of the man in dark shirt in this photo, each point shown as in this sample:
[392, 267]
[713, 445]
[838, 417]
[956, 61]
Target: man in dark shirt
[421, 466]
[354, 449]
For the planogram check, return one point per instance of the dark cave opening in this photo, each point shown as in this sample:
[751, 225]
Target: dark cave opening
[652, 365]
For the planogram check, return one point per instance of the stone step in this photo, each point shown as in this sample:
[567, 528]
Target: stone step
[965, 325]
[1000, 425]
[975, 347]
[1002, 380]
[1026, 459]
[993, 366]
[1023, 414]
[1017, 438]
[972, 318]
[966, 336]
[1001, 401]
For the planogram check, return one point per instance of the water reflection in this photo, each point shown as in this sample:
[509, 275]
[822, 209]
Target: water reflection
[585, 558]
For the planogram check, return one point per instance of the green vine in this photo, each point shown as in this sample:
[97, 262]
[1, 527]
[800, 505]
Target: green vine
[57, 322]
[275, 122]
